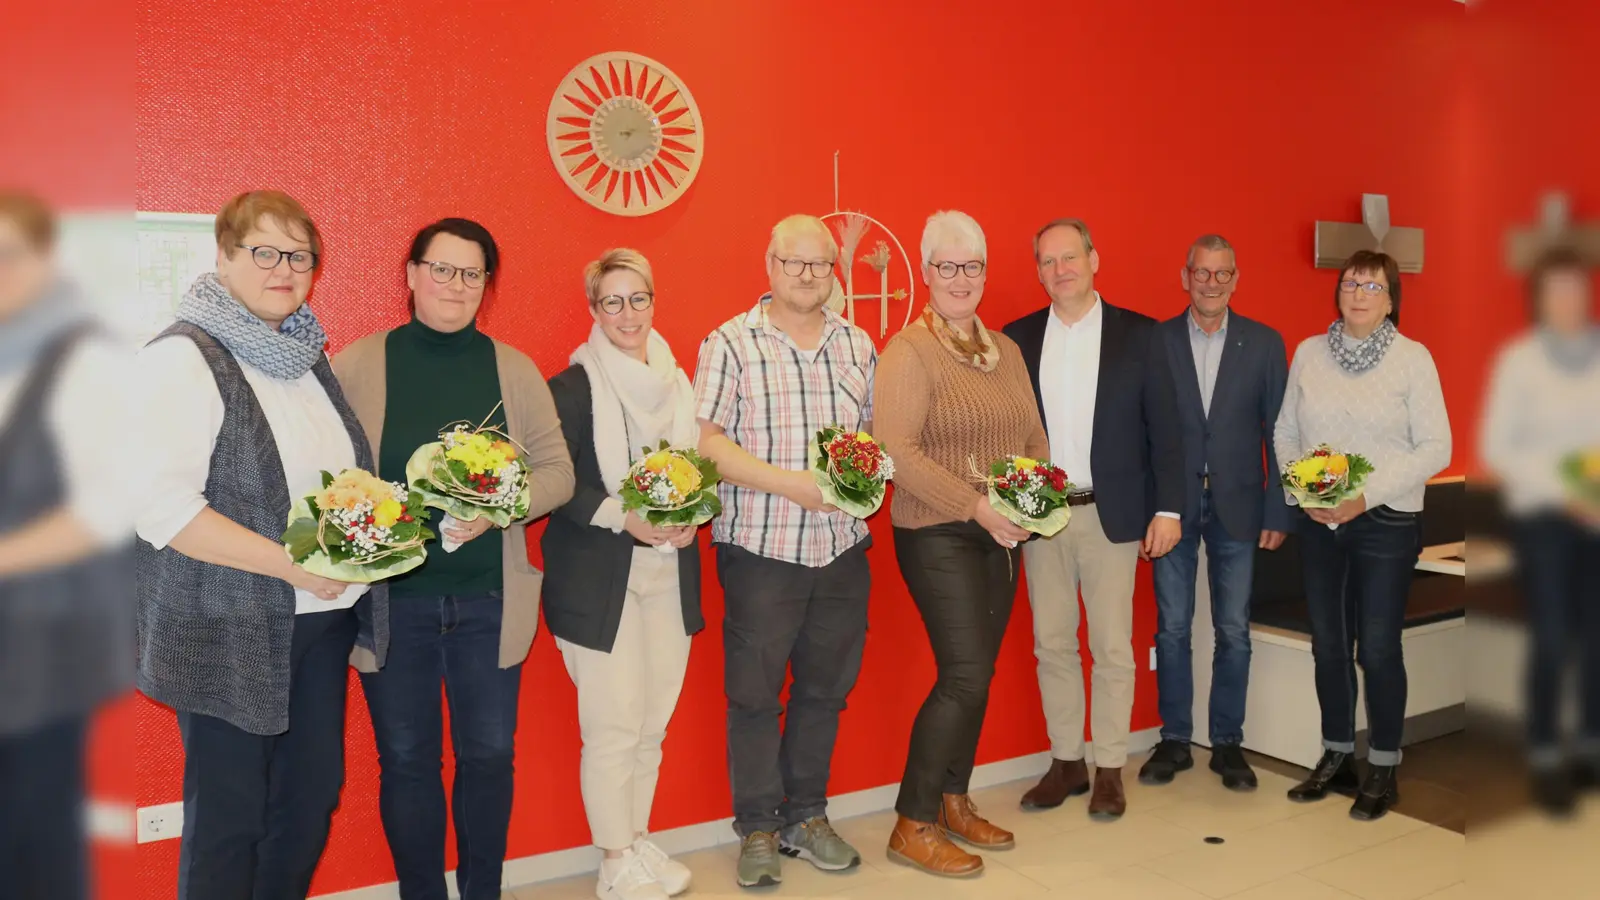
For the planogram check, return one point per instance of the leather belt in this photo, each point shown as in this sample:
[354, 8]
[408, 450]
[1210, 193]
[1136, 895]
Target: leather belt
[1082, 498]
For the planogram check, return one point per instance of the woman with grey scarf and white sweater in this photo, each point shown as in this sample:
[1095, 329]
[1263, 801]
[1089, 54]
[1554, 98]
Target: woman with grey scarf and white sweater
[622, 596]
[250, 650]
[1363, 388]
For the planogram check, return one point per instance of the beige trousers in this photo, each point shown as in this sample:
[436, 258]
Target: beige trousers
[625, 699]
[1077, 555]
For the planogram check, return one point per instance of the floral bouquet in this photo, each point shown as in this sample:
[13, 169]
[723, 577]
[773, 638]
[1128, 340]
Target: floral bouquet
[1581, 472]
[1030, 493]
[1325, 478]
[471, 473]
[670, 487]
[851, 469]
[358, 528]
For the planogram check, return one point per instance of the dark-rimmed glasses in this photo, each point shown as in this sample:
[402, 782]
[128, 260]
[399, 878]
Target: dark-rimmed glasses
[640, 301]
[794, 268]
[444, 273]
[1367, 287]
[1206, 276]
[268, 257]
[947, 270]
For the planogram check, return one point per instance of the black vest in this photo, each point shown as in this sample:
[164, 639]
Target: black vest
[215, 640]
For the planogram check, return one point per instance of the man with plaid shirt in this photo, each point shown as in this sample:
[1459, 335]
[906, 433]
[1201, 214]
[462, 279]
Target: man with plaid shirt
[793, 569]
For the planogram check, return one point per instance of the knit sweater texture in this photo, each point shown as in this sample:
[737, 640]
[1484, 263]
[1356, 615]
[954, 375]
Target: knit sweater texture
[939, 417]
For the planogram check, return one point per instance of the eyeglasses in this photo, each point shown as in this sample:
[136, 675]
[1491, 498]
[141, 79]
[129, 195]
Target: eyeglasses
[1367, 287]
[444, 273]
[268, 257]
[947, 270]
[1205, 276]
[794, 268]
[612, 303]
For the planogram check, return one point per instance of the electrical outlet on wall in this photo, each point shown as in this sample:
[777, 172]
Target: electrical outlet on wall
[1152, 659]
[160, 823]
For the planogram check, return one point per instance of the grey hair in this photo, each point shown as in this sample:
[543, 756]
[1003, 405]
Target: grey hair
[1208, 242]
[953, 228]
[1081, 226]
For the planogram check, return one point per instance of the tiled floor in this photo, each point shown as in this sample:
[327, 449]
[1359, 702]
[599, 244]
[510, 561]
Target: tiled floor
[1272, 850]
[1435, 779]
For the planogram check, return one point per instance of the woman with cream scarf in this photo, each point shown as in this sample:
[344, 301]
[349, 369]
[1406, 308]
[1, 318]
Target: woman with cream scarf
[622, 596]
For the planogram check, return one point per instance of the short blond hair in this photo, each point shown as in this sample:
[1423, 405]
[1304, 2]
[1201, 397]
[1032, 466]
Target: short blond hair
[796, 225]
[243, 213]
[615, 260]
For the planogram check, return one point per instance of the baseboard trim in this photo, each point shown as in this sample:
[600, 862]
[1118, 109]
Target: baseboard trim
[561, 864]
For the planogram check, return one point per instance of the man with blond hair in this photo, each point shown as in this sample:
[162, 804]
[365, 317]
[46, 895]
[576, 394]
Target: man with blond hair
[793, 569]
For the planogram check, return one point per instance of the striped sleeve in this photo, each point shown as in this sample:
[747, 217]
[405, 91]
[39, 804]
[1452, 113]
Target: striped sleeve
[716, 382]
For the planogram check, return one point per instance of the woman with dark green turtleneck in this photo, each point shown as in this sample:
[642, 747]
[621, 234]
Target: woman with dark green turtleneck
[467, 616]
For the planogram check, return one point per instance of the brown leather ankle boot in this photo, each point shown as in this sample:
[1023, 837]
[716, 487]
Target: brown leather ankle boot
[1065, 779]
[922, 845]
[959, 818]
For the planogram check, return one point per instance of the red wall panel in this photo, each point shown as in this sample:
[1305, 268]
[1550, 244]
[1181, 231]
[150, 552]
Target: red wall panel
[1154, 121]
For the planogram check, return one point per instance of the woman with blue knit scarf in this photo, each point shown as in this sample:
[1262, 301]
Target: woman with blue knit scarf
[250, 650]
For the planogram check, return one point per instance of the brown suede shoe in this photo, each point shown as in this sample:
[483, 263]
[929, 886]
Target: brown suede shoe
[1065, 779]
[959, 818]
[1109, 801]
[922, 845]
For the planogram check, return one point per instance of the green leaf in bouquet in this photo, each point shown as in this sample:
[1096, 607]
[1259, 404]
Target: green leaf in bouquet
[327, 478]
[300, 538]
[1048, 524]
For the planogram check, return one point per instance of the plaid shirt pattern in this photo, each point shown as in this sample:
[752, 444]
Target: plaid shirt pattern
[771, 400]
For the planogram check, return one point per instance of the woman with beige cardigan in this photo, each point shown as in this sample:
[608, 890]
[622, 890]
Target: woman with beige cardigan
[467, 616]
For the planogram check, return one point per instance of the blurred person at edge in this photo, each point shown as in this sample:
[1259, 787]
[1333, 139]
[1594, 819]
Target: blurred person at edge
[1544, 404]
[66, 613]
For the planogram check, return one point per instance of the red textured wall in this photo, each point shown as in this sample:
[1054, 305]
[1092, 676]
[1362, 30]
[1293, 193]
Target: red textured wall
[1154, 121]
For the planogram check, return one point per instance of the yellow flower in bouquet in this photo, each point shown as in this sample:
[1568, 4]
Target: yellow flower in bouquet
[481, 454]
[685, 477]
[1591, 465]
[1309, 470]
[353, 487]
[1324, 478]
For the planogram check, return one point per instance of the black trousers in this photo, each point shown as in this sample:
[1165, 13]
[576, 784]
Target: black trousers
[964, 584]
[781, 617]
[1561, 591]
[256, 808]
[42, 845]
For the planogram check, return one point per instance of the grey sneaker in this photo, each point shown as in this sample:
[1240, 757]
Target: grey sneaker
[759, 865]
[815, 841]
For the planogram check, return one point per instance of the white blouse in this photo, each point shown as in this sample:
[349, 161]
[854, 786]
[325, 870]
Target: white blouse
[183, 416]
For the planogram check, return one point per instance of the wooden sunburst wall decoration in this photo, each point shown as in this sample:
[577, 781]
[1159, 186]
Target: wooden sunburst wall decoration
[625, 133]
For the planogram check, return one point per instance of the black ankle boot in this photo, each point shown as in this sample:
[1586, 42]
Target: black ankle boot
[1555, 790]
[1379, 791]
[1335, 772]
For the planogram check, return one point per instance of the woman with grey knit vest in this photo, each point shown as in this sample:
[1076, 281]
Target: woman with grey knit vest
[1363, 388]
[250, 650]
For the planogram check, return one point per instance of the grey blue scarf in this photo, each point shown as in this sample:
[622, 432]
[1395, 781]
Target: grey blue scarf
[27, 333]
[287, 352]
[1364, 354]
[1571, 353]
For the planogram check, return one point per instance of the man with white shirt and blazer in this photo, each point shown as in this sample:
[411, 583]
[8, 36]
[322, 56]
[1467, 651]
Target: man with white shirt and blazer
[1229, 373]
[1105, 393]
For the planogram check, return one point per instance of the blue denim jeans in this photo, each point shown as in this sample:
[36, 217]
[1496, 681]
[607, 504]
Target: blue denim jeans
[1358, 578]
[1230, 566]
[455, 640]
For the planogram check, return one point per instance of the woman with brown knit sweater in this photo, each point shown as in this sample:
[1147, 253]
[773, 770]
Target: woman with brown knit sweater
[952, 396]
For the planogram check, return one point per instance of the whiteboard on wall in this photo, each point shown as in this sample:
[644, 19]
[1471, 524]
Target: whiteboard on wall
[135, 268]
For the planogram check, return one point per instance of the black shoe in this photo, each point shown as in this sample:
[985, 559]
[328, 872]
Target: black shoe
[1335, 772]
[1585, 773]
[1228, 761]
[1379, 791]
[1165, 762]
[1555, 790]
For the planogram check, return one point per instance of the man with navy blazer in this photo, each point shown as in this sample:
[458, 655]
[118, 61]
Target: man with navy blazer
[1230, 373]
[1105, 394]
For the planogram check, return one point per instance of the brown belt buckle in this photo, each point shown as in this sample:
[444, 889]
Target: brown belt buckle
[1082, 498]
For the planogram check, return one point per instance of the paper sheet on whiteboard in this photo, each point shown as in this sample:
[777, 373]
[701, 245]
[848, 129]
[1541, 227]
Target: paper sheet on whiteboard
[135, 268]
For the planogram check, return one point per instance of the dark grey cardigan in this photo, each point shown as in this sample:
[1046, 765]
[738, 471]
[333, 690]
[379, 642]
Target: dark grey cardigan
[586, 566]
[215, 640]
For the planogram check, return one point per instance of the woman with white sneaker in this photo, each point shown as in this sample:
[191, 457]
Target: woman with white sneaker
[622, 596]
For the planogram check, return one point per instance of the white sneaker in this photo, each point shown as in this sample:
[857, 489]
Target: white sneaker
[673, 876]
[628, 878]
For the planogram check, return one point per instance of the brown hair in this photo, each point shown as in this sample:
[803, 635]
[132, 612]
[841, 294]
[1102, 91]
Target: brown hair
[1371, 262]
[33, 217]
[1078, 225]
[1553, 261]
[243, 213]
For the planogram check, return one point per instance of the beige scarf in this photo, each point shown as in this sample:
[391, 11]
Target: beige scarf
[979, 351]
